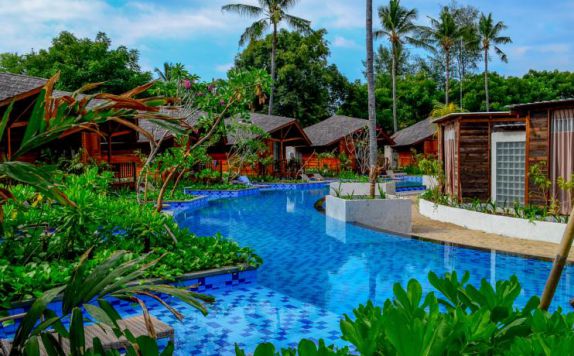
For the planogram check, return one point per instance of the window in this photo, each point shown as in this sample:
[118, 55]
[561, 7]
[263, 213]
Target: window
[508, 173]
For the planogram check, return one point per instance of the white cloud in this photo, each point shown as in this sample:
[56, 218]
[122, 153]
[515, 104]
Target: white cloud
[32, 23]
[343, 42]
[223, 68]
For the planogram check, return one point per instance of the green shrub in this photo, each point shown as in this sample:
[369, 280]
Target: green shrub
[455, 319]
[43, 240]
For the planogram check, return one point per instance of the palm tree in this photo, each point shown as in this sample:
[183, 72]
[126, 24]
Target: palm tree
[371, 100]
[489, 35]
[397, 23]
[442, 34]
[270, 13]
[171, 71]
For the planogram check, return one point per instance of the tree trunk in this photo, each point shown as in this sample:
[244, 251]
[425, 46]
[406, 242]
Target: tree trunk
[447, 78]
[559, 262]
[394, 78]
[486, 79]
[461, 71]
[273, 64]
[371, 100]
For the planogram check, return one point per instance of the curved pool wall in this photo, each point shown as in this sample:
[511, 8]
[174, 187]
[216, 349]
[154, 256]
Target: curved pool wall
[315, 270]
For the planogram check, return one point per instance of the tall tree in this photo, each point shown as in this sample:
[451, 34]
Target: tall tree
[270, 13]
[371, 99]
[398, 25]
[81, 61]
[490, 36]
[467, 49]
[310, 88]
[442, 35]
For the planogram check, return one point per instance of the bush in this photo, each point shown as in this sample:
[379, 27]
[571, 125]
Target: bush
[455, 319]
[44, 240]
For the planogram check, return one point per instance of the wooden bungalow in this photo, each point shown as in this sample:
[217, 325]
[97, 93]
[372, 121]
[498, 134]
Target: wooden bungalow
[549, 143]
[115, 144]
[483, 155]
[335, 136]
[490, 155]
[420, 138]
[284, 136]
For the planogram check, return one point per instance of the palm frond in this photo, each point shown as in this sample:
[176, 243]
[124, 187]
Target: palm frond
[297, 23]
[501, 54]
[244, 10]
[253, 32]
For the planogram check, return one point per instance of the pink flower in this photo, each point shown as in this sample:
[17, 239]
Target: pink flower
[187, 84]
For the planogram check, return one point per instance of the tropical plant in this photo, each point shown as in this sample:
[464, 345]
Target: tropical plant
[248, 146]
[398, 26]
[567, 186]
[42, 240]
[270, 13]
[489, 36]
[52, 117]
[440, 109]
[442, 35]
[217, 101]
[371, 100]
[118, 277]
[457, 318]
[538, 176]
[172, 72]
[304, 348]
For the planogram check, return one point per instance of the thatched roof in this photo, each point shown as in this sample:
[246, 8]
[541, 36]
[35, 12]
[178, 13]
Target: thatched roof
[267, 123]
[12, 85]
[414, 134]
[333, 129]
[190, 116]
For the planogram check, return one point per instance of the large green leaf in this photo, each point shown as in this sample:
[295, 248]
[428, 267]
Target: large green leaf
[37, 177]
[32, 317]
[5, 119]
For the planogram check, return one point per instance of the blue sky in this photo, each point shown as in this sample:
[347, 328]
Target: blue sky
[196, 33]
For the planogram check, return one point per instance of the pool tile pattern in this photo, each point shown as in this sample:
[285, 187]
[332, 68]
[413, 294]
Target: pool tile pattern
[315, 270]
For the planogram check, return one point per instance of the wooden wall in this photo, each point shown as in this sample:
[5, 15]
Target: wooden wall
[537, 151]
[474, 160]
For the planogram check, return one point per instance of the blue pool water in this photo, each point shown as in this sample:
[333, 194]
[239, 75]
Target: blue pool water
[315, 270]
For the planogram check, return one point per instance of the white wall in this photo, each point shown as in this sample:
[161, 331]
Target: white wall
[388, 214]
[494, 224]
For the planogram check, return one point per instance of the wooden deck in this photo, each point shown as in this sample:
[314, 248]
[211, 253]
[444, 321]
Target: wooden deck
[135, 325]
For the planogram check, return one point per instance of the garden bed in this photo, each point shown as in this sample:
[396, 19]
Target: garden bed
[349, 189]
[495, 224]
[44, 240]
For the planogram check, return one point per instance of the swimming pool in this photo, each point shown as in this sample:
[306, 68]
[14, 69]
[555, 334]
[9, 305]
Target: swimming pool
[315, 269]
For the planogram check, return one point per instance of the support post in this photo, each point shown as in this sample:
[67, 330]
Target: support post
[558, 265]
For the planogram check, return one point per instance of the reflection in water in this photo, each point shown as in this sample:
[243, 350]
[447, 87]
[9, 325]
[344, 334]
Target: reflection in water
[337, 266]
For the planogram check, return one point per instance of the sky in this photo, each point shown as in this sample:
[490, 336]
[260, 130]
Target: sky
[197, 34]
